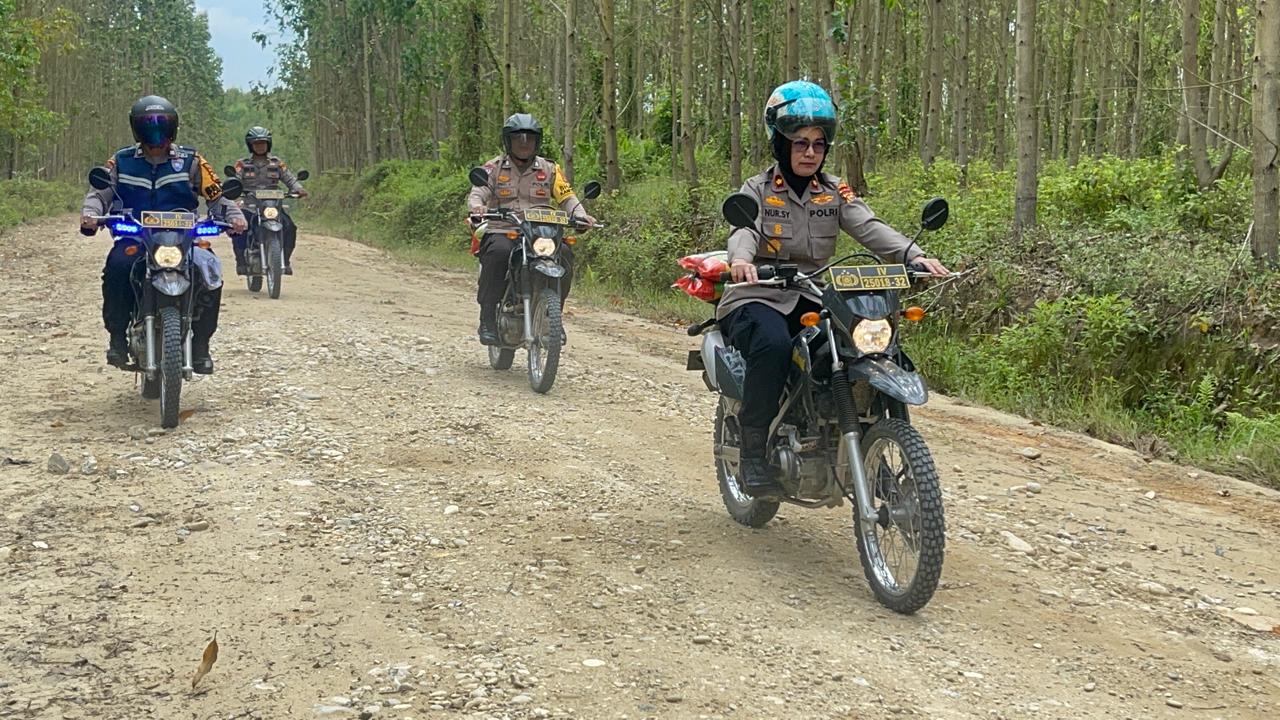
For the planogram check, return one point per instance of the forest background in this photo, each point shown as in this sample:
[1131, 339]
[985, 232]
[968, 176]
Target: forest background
[1112, 166]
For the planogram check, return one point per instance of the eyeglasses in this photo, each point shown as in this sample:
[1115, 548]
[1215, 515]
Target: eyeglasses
[803, 146]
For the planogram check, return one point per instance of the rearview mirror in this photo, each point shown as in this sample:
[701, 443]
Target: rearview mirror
[478, 176]
[229, 170]
[100, 178]
[592, 190]
[741, 210]
[303, 175]
[935, 214]
[232, 188]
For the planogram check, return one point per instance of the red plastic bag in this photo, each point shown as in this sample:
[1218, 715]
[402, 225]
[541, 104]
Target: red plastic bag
[703, 282]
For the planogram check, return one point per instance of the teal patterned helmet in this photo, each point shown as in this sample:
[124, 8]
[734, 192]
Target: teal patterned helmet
[799, 104]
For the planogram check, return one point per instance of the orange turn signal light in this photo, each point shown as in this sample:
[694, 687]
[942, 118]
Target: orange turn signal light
[571, 240]
[204, 244]
[512, 234]
[131, 250]
[810, 319]
[914, 314]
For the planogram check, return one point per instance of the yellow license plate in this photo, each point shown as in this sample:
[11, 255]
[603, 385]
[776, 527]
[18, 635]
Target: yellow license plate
[168, 220]
[870, 278]
[268, 194]
[546, 216]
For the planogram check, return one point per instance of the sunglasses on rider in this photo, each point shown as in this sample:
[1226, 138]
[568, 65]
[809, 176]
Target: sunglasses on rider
[803, 146]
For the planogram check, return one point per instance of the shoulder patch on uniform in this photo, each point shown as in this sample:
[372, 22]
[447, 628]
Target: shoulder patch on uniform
[846, 192]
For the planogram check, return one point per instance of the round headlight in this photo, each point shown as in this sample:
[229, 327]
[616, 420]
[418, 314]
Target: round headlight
[168, 256]
[872, 336]
[270, 213]
[544, 247]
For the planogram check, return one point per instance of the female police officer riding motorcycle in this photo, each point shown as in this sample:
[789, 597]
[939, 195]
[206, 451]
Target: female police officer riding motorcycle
[802, 211]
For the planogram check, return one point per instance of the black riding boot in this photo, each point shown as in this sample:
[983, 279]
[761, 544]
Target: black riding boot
[118, 350]
[754, 471]
[488, 330]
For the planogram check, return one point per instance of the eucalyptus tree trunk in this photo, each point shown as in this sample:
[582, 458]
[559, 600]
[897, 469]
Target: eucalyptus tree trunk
[613, 174]
[1028, 144]
[1266, 134]
[686, 95]
[570, 99]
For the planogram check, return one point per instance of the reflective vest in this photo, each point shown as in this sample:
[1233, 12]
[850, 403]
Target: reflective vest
[167, 186]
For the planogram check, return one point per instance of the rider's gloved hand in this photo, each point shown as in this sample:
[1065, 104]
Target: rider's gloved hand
[238, 226]
[743, 271]
[303, 193]
[88, 223]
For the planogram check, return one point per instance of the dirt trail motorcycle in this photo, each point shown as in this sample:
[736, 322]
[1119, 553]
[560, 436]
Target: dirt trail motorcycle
[529, 315]
[843, 428]
[165, 292]
[264, 240]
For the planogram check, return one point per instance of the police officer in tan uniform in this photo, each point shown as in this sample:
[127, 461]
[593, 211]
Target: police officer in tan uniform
[519, 179]
[263, 171]
[802, 211]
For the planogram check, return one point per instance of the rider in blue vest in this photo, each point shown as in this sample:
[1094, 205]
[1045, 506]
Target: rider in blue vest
[155, 174]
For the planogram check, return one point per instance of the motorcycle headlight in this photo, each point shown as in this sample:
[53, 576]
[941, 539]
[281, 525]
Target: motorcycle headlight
[872, 336]
[270, 213]
[168, 256]
[544, 247]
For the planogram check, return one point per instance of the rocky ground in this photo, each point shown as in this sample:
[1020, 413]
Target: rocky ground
[376, 524]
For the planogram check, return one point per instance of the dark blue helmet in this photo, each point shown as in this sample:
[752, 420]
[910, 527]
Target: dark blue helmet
[154, 121]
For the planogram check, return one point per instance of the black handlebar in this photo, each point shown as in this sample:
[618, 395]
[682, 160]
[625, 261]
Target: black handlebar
[511, 216]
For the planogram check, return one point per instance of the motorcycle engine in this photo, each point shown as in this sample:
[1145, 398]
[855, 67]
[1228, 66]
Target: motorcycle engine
[510, 327]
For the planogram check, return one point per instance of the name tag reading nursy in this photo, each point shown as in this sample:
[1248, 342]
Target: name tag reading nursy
[168, 220]
[869, 278]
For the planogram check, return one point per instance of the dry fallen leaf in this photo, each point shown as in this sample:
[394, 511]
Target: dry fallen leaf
[185, 415]
[206, 662]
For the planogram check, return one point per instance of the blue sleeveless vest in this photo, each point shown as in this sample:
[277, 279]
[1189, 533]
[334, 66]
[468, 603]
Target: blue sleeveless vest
[167, 186]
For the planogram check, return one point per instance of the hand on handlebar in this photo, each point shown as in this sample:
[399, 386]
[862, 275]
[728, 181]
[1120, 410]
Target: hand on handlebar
[743, 271]
[88, 224]
[930, 266]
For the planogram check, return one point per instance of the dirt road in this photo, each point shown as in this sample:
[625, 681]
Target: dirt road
[376, 524]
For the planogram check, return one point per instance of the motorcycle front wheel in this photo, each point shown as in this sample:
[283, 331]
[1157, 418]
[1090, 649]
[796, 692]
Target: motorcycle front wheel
[170, 366]
[274, 266]
[901, 554]
[544, 350]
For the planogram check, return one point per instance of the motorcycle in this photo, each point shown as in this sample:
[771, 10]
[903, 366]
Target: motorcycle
[165, 292]
[264, 240]
[843, 427]
[529, 314]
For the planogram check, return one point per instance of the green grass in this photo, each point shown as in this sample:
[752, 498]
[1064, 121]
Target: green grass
[24, 200]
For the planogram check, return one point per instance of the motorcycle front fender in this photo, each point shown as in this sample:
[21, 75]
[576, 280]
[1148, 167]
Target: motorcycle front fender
[550, 269]
[886, 376]
[272, 225]
[170, 283]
